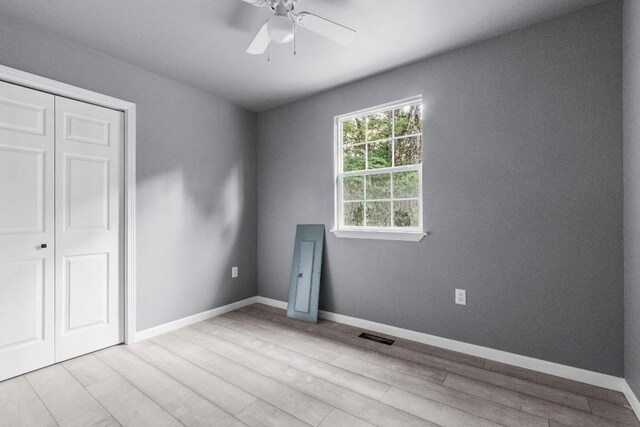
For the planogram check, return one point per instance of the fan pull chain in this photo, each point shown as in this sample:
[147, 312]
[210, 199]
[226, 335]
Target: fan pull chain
[294, 39]
[269, 52]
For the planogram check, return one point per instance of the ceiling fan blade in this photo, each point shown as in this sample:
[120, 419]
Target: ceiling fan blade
[260, 41]
[258, 3]
[324, 27]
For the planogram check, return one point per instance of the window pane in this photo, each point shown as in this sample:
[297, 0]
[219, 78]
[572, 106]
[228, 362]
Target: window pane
[353, 131]
[406, 185]
[353, 213]
[378, 214]
[379, 126]
[353, 159]
[379, 186]
[408, 151]
[406, 213]
[408, 120]
[380, 155]
[353, 188]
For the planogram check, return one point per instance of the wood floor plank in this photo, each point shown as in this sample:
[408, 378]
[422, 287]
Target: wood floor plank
[323, 354]
[365, 386]
[562, 397]
[20, 406]
[414, 380]
[488, 410]
[523, 402]
[193, 410]
[600, 393]
[588, 390]
[261, 414]
[168, 341]
[88, 370]
[352, 346]
[185, 405]
[216, 390]
[73, 407]
[129, 405]
[396, 354]
[353, 403]
[306, 331]
[257, 309]
[300, 405]
[308, 327]
[257, 367]
[441, 414]
[354, 331]
[158, 386]
[613, 412]
[301, 343]
[338, 418]
[107, 422]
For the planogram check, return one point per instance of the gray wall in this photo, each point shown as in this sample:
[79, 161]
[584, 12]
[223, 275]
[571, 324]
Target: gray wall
[195, 172]
[522, 195]
[632, 192]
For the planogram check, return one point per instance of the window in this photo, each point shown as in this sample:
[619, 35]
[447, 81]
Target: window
[379, 172]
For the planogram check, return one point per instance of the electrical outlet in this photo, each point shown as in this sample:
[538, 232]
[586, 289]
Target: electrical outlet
[461, 296]
[234, 272]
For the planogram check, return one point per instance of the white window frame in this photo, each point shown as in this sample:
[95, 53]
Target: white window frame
[382, 233]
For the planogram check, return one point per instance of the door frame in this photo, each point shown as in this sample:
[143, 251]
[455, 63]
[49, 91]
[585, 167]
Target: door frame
[43, 84]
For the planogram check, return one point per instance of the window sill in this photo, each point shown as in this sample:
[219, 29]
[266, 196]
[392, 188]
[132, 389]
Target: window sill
[407, 236]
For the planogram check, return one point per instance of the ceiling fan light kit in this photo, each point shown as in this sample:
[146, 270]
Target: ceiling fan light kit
[280, 28]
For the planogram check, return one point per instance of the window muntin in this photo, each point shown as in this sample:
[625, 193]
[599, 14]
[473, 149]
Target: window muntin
[379, 168]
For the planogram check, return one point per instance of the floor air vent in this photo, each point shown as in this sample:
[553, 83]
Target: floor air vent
[376, 338]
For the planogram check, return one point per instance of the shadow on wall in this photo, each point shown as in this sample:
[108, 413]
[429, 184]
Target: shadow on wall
[184, 245]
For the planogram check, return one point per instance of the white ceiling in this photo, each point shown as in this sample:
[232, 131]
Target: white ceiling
[202, 43]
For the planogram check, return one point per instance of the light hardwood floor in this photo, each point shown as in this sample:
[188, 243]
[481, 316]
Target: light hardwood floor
[257, 367]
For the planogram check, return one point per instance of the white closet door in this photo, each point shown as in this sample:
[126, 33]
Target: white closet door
[88, 181]
[26, 223]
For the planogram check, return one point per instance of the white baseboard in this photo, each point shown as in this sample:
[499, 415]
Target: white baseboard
[272, 302]
[564, 371]
[632, 398]
[190, 320]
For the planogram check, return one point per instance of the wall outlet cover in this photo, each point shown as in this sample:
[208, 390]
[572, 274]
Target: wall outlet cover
[234, 272]
[461, 297]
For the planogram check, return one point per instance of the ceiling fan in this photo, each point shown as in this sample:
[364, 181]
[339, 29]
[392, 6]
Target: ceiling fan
[280, 28]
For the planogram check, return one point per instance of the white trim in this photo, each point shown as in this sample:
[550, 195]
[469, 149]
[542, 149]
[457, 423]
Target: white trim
[409, 236]
[380, 171]
[339, 175]
[631, 398]
[539, 365]
[53, 87]
[551, 368]
[382, 107]
[130, 224]
[190, 320]
[271, 302]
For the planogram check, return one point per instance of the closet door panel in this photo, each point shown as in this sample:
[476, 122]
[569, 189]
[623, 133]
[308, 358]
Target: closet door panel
[88, 286]
[87, 291]
[87, 193]
[26, 223]
[22, 174]
[22, 300]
